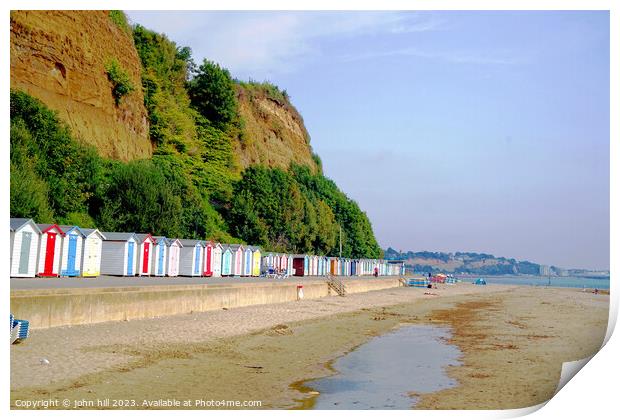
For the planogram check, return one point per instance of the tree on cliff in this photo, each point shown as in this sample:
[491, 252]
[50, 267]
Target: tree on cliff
[212, 93]
[297, 211]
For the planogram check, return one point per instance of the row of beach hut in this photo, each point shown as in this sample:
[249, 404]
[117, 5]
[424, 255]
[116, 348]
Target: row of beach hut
[49, 250]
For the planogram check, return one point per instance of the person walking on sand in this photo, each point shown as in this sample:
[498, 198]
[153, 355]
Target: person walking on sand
[376, 274]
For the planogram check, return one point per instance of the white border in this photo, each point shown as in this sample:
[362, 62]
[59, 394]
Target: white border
[592, 394]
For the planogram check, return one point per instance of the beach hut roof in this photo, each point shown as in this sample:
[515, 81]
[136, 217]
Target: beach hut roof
[218, 245]
[171, 241]
[18, 223]
[159, 239]
[235, 247]
[254, 248]
[118, 236]
[45, 227]
[143, 237]
[89, 232]
[190, 242]
[68, 228]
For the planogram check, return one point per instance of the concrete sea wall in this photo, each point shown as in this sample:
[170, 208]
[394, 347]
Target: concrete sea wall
[46, 308]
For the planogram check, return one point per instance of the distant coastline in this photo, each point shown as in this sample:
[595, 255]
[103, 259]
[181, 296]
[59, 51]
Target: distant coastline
[575, 282]
[483, 264]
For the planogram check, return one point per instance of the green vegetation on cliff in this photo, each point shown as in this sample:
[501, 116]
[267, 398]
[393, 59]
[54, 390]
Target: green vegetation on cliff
[193, 186]
[300, 212]
[55, 179]
[203, 151]
[121, 83]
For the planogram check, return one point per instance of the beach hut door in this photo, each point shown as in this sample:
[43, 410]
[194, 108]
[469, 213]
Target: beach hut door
[24, 253]
[90, 261]
[227, 262]
[173, 259]
[130, 258]
[71, 254]
[160, 267]
[196, 260]
[49, 253]
[145, 257]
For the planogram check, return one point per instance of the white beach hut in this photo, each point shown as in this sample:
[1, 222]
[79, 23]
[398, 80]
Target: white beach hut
[173, 258]
[237, 259]
[217, 260]
[289, 265]
[25, 237]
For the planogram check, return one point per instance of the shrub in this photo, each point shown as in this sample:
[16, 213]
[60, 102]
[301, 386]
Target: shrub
[318, 162]
[29, 196]
[119, 19]
[51, 175]
[121, 84]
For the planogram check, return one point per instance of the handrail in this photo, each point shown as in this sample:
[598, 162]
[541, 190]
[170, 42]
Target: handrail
[336, 285]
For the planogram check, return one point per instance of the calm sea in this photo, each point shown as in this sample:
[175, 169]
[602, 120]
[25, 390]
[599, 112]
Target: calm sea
[578, 282]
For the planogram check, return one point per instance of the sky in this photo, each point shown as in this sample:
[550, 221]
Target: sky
[454, 131]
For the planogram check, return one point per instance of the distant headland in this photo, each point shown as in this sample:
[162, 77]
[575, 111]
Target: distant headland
[482, 264]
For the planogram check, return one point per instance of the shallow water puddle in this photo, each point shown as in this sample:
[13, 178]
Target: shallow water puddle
[383, 373]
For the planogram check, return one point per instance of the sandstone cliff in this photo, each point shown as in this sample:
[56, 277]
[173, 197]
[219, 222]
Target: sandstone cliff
[60, 58]
[274, 132]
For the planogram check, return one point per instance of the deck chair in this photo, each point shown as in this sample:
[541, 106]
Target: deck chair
[20, 329]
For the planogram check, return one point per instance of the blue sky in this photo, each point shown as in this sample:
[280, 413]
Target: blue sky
[470, 131]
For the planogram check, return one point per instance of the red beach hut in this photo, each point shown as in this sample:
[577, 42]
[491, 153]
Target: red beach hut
[207, 270]
[146, 242]
[49, 250]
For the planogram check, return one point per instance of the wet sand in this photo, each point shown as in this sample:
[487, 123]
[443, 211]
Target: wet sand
[513, 338]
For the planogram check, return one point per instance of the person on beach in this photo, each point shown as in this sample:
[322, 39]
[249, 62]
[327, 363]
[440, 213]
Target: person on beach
[376, 274]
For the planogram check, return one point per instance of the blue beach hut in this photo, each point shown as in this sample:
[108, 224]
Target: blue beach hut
[160, 251]
[306, 265]
[227, 257]
[71, 251]
[247, 261]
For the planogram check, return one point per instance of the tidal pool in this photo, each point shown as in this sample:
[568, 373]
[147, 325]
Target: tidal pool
[386, 371]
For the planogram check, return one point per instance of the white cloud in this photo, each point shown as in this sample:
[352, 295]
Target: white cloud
[263, 43]
[458, 57]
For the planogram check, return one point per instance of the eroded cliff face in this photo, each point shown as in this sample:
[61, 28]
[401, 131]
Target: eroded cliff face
[275, 134]
[59, 57]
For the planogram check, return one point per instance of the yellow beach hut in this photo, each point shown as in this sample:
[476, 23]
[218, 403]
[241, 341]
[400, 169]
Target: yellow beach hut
[256, 260]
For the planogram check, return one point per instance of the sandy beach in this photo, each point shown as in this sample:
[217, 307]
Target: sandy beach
[513, 340]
